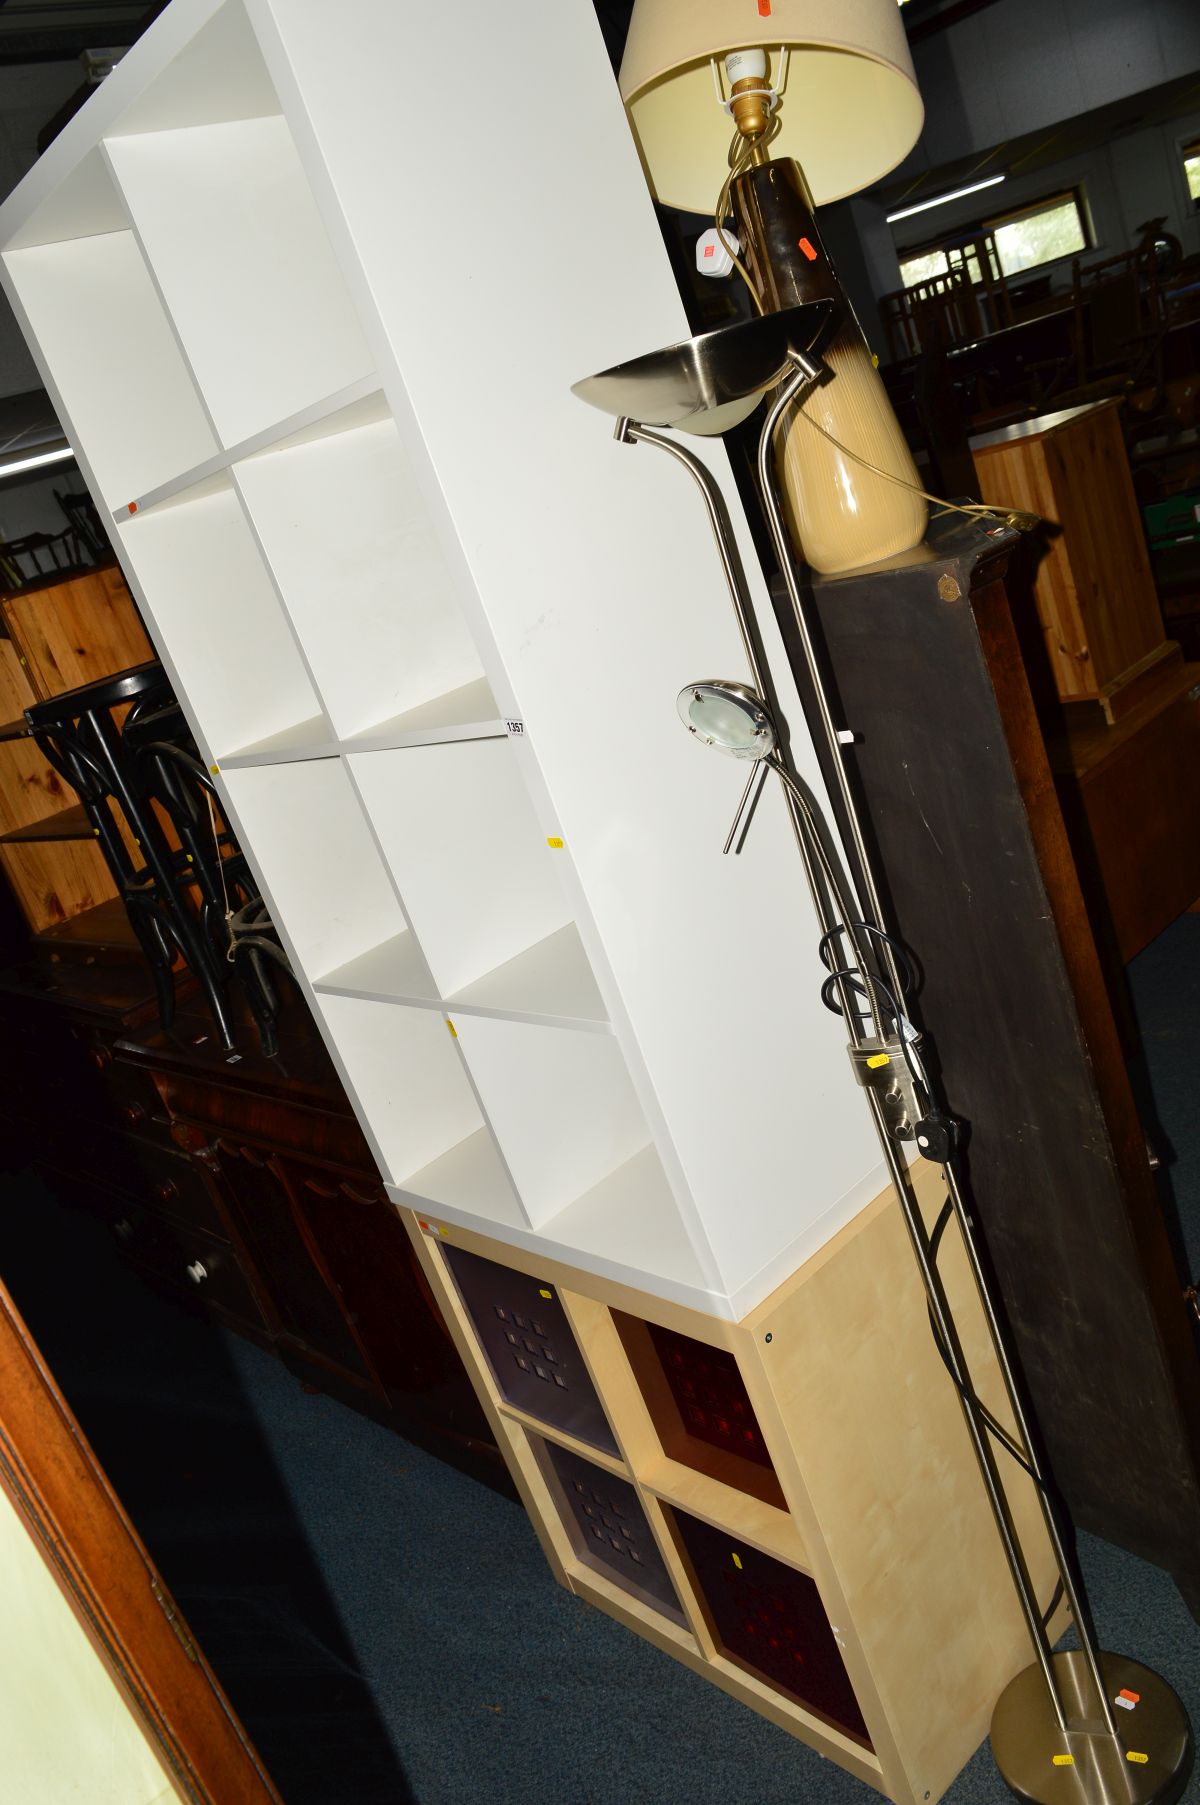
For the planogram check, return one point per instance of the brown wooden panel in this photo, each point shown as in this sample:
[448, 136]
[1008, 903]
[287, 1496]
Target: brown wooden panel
[1093, 588]
[1102, 533]
[1131, 797]
[54, 1478]
[55, 885]
[72, 633]
[983, 887]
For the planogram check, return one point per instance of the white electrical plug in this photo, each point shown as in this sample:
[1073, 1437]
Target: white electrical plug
[712, 259]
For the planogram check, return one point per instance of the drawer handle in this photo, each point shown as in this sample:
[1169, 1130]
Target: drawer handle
[197, 1272]
[368, 1198]
[132, 1113]
[167, 1191]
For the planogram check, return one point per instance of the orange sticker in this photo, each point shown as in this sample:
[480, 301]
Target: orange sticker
[764, 9]
[809, 249]
[133, 507]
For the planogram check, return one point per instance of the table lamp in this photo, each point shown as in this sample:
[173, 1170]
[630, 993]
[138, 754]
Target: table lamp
[820, 99]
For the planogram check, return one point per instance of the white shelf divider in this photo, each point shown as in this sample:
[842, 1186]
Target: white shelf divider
[306, 739]
[469, 1183]
[113, 360]
[311, 419]
[553, 983]
[236, 244]
[406, 1072]
[467, 713]
[394, 971]
[560, 1103]
[318, 860]
[459, 833]
[215, 608]
[346, 532]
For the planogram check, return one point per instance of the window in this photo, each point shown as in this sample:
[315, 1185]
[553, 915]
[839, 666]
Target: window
[1191, 170]
[1053, 228]
[1020, 241]
[921, 267]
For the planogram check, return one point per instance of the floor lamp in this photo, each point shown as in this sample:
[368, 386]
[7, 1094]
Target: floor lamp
[820, 99]
[1079, 1727]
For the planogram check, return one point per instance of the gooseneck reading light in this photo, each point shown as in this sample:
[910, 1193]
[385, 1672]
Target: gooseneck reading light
[1056, 1736]
[821, 100]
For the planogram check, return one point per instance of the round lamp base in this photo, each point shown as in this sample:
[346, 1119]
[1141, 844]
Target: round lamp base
[1147, 1764]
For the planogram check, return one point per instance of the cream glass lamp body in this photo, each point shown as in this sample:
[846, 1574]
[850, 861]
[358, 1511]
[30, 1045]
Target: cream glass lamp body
[849, 111]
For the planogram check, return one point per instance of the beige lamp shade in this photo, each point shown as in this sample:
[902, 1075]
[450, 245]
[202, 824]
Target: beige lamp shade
[851, 109]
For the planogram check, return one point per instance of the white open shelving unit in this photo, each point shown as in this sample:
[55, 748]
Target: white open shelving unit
[429, 622]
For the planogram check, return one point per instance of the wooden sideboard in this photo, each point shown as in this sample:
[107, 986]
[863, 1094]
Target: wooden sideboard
[243, 1188]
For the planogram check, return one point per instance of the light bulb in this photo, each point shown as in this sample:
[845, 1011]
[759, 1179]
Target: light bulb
[747, 71]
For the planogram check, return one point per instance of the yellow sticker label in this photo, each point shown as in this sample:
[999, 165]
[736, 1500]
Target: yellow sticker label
[452, 1028]
[1064, 1760]
[737, 1561]
[878, 1059]
[444, 1232]
[554, 843]
[214, 770]
[542, 1292]
[1134, 1755]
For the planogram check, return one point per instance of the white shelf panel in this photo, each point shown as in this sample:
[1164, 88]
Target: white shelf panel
[321, 416]
[341, 515]
[407, 1077]
[219, 618]
[114, 361]
[553, 982]
[232, 233]
[468, 1182]
[627, 1228]
[629, 1225]
[467, 713]
[307, 739]
[551, 985]
[560, 1104]
[323, 875]
[395, 971]
[478, 880]
[219, 75]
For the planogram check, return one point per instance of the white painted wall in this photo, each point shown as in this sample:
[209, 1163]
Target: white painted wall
[67, 1735]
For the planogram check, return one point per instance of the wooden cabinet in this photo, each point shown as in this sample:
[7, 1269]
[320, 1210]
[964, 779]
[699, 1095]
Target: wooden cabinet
[245, 1190]
[1101, 624]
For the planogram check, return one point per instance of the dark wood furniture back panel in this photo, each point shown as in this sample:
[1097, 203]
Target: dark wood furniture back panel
[983, 888]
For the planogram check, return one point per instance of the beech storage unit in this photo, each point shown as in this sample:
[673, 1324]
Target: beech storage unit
[428, 623]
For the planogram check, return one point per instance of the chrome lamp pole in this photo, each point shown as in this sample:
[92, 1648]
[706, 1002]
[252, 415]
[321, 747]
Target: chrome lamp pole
[1080, 1727]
